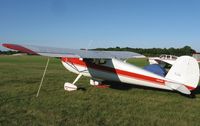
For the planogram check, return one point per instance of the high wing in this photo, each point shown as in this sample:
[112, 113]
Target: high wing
[162, 61]
[76, 53]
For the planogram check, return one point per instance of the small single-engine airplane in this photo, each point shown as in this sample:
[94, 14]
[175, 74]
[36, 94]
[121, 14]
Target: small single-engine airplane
[183, 76]
[163, 59]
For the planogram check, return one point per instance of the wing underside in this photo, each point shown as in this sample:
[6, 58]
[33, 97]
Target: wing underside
[64, 52]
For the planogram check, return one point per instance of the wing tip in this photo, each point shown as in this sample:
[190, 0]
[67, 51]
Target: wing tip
[19, 48]
[5, 44]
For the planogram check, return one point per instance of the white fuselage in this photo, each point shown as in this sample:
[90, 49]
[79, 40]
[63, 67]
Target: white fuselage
[115, 70]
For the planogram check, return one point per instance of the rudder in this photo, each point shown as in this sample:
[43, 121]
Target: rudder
[185, 71]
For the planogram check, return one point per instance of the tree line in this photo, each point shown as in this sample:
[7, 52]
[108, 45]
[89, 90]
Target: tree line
[186, 50]
[8, 52]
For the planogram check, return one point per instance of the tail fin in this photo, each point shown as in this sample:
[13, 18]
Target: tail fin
[185, 71]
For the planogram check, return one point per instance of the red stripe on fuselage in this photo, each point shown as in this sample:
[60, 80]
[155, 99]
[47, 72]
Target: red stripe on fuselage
[76, 61]
[190, 88]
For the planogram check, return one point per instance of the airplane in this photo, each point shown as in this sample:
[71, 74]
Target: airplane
[169, 59]
[182, 77]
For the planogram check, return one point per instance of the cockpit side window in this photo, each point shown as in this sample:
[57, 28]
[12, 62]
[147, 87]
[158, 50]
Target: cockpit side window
[96, 61]
[174, 57]
[168, 57]
[102, 61]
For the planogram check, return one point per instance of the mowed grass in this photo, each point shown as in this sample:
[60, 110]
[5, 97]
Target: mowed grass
[89, 106]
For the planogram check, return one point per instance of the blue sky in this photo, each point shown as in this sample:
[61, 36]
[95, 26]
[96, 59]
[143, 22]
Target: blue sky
[101, 23]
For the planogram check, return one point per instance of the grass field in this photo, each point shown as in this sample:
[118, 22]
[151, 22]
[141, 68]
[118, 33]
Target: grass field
[88, 106]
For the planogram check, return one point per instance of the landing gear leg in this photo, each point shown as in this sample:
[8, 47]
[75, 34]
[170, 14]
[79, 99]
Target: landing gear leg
[71, 86]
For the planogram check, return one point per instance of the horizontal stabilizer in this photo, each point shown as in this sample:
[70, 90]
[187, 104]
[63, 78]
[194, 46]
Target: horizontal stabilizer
[178, 87]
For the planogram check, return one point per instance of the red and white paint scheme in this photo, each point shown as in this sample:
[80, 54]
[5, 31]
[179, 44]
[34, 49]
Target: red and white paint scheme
[106, 65]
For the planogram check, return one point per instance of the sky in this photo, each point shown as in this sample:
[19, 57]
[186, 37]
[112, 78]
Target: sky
[101, 23]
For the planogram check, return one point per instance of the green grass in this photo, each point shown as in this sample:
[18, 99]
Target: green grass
[19, 81]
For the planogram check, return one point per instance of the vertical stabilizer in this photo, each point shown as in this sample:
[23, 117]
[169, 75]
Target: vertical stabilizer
[185, 71]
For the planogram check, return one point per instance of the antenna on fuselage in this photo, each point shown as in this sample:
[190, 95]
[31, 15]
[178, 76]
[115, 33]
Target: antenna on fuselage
[44, 73]
[89, 44]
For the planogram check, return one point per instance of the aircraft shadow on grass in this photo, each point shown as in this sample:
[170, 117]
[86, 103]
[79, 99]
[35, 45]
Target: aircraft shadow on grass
[196, 91]
[81, 88]
[124, 86]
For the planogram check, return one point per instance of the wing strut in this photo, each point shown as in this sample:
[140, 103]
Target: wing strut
[42, 78]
